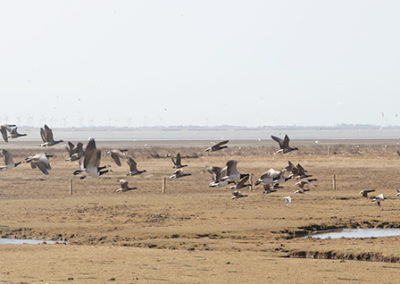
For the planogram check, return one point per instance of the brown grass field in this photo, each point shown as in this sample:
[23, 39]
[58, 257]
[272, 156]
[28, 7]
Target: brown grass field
[197, 234]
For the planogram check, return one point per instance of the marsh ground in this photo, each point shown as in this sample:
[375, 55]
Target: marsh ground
[197, 234]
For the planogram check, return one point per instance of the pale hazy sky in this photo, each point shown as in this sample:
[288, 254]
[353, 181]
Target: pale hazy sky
[250, 63]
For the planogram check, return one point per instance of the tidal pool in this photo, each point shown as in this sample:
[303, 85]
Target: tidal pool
[5, 241]
[357, 233]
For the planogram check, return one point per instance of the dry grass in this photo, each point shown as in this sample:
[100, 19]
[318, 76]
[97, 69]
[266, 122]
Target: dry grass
[193, 233]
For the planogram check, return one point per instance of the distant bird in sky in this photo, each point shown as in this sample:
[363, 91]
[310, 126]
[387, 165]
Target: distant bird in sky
[283, 144]
[124, 186]
[47, 136]
[218, 146]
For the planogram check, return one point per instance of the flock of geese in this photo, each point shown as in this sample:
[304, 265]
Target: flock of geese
[89, 159]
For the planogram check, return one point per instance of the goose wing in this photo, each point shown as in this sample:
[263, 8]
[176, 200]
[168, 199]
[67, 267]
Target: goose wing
[92, 155]
[216, 173]
[43, 135]
[70, 148]
[8, 159]
[231, 168]
[279, 140]
[123, 183]
[242, 182]
[221, 143]
[49, 133]
[132, 164]
[3, 130]
[116, 159]
[178, 159]
[286, 141]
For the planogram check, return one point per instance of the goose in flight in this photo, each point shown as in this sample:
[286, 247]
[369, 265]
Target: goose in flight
[116, 154]
[3, 129]
[299, 172]
[218, 146]
[47, 136]
[74, 152]
[124, 186]
[237, 194]
[14, 133]
[303, 182]
[283, 144]
[398, 192]
[378, 199]
[365, 192]
[90, 162]
[268, 189]
[179, 173]
[288, 200]
[8, 160]
[241, 183]
[133, 167]
[177, 162]
[302, 190]
[232, 174]
[217, 173]
[271, 176]
[40, 161]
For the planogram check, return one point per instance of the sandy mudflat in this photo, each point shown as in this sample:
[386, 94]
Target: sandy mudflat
[197, 234]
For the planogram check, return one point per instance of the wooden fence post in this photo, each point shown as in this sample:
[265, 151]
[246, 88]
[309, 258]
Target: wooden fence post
[251, 182]
[334, 182]
[70, 186]
[164, 185]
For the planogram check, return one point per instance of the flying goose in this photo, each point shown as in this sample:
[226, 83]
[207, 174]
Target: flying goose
[179, 173]
[124, 186]
[302, 190]
[40, 161]
[133, 167]
[301, 172]
[8, 160]
[177, 162]
[218, 146]
[398, 192]
[365, 192]
[283, 144]
[217, 174]
[14, 133]
[241, 183]
[288, 200]
[116, 154]
[268, 189]
[271, 176]
[47, 136]
[90, 162]
[237, 194]
[378, 199]
[3, 129]
[303, 182]
[232, 174]
[74, 152]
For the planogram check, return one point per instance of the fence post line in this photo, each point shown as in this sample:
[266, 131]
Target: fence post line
[70, 186]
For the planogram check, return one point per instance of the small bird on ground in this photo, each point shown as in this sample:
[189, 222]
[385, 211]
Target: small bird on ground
[124, 186]
[283, 144]
[218, 146]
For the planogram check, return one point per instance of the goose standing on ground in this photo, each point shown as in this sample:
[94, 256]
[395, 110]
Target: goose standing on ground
[283, 144]
[217, 174]
[177, 162]
[74, 152]
[237, 194]
[90, 162]
[378, 199]
[218, 146]
[133, 167]
[40, 161]
[8, 160]
[47, 136]
[116, 154]
[179, 173]
[365, 192]
[3, 129]
[124, 186]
